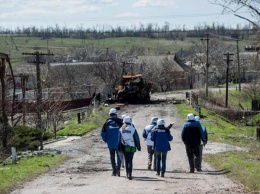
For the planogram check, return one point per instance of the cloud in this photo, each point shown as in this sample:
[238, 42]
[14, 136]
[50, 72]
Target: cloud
[155, 3]
[103, 1]
[128, 15]
[46, 8]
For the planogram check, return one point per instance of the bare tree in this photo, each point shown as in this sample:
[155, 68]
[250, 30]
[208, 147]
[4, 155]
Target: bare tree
[235, 6]
[162, 72]
[252, 90]
[217, 66]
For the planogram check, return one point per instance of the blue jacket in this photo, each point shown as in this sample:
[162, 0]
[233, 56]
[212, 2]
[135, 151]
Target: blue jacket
[192, 133]
[161, 137]
[110, 132]
[205, 133]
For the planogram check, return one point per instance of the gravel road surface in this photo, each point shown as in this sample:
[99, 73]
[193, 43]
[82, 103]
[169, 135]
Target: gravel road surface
[89, 171]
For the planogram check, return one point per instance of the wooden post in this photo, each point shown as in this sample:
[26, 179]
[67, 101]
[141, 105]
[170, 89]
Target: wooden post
[258, 134]
[79, 120]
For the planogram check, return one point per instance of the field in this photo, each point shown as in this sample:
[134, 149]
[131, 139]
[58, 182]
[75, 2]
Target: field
[16, 45]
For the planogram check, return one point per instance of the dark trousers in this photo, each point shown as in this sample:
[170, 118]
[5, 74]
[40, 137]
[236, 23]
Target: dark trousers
[129, 162]
[160, 158]
[193, 150]
[198, 164]
[151, 152]
[113, 155]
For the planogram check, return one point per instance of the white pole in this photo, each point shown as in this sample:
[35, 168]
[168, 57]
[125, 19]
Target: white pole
[13, 155]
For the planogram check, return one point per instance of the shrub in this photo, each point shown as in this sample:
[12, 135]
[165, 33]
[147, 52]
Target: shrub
[24, 138]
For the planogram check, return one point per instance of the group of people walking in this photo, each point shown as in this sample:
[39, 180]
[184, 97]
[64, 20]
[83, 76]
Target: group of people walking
[123, 140]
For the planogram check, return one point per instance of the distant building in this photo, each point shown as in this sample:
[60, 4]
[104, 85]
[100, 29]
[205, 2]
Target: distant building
[180, 71]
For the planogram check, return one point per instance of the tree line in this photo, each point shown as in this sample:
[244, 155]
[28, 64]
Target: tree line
[149, 31]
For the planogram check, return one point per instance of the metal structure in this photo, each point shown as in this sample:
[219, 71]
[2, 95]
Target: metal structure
[133, 89]
[4, 59]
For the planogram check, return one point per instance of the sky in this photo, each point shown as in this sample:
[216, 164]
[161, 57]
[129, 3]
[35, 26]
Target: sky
[101, 14]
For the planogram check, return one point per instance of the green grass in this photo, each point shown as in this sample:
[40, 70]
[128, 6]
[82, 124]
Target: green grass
[11, 175]
[220, 129]
[93, 121]
[243, 167]
[236, 99]
[16, 45]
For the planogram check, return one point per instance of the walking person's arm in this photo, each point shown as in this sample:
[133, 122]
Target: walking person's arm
[137, 140]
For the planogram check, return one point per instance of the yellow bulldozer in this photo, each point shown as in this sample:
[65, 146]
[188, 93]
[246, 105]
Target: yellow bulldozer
[133, 89]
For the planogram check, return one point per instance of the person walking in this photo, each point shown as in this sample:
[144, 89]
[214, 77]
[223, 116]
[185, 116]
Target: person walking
[121, 154]
[129, 142]
[205, 133]
[161, 137]
[192, 135]
[110, 134]
[147, 131]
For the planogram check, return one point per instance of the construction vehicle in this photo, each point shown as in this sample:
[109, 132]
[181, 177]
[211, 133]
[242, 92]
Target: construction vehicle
[133, 89]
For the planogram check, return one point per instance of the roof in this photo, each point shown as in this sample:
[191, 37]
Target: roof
[158, 59]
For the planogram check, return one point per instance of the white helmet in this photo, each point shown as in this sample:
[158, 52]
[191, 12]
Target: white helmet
[123, 116]
[113, 111]
[154, 120]
[197, 118]
[160, 122]
[127, 119]
[190, 117]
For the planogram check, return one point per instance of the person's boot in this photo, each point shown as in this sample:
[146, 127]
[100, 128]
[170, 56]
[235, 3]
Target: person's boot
[118, 171]
[149, 166]
[192, 170]
[130, 176]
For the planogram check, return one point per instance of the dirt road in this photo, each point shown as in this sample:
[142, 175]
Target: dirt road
[89, 169]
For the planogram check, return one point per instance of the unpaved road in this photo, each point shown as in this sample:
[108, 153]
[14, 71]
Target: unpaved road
[89, 171]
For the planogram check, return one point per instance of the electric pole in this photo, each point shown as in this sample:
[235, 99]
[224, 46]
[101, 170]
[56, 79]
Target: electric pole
[207, 64]
[24, 79]
[38, 91]
[238, 68]
[228, 60]
[191, 72]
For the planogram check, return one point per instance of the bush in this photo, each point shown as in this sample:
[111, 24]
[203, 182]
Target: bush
[24, 138]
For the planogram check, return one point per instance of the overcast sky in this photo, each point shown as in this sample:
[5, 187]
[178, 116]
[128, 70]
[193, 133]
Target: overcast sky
[104, 13]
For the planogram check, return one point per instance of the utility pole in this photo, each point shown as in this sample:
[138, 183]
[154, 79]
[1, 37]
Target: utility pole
[238, 68]
[24, 79]
[38, 91]
[191, 72]
[4, 118]
[228, 60]
[207, 64]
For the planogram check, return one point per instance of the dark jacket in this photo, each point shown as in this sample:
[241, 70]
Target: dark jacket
[192, 133]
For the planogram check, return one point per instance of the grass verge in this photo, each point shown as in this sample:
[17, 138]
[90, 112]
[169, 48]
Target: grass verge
[93, 121]
[12, 175]
[244, 167]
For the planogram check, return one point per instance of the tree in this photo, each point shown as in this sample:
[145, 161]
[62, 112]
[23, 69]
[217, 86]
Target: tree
[252, 90]
[236, 6]
[217, 66]
[161, 72]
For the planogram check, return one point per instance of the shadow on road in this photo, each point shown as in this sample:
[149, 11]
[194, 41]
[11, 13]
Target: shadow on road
[217, 172]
